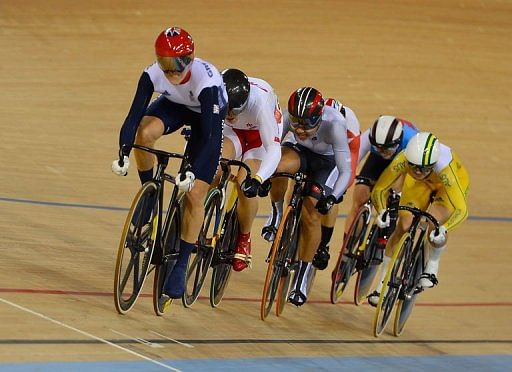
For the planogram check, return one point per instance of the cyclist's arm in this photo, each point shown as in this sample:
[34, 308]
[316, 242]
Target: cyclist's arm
[343, 161]
[140, 103]
[386, 180]
[270, 134]
[364, 144]
[448, 177]
[211, 127]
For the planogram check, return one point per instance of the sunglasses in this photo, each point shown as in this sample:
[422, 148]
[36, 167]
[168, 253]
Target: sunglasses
[306, 124]
[174, 65]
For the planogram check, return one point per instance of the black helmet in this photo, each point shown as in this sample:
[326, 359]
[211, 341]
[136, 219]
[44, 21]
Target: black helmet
[237, 86]
[305, 107]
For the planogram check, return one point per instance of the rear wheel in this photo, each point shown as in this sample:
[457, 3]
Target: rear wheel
[406, 304]
[289, 243]
[348, 258]
[223, 256]
[390, 287]
[136, 247]
[199, 263]
[276, 263]
[166, 260]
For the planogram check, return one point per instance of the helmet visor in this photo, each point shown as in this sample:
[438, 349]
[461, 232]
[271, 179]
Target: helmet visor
[421, 170]
[386, 151]
[306, 124]
[174, 65]
[238, 110]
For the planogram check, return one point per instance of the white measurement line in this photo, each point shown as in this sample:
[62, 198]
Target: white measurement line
[137, 339]
[19, 307]
[171, 339]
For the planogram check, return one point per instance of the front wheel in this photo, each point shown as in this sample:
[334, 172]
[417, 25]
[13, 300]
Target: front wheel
[223, 256]
[390, 287]
[370, 260]
[136, 247]
[166, 260]
[200, 262]
[348, 258]
[406, 304]
[276, 263]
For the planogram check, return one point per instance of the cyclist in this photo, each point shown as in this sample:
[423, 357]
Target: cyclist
[321, 259]
[382, 142]
[316, 144]
[252, 134]
[434, 172]
[192, 93]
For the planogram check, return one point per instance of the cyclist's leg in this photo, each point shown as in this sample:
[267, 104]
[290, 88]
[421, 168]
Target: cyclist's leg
[322, 256]
[231, 149]
[157, 121]
[429, 276]
[309, 239]
[290, 162]
[204, 170]
[246, 212]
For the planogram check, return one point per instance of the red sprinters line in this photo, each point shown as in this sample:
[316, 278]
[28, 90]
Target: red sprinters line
[236, 299]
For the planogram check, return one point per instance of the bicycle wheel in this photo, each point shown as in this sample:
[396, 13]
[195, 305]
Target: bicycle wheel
[390, 287]
[348, 258]
[289, 243]
[223, 256]
[199, 262]
[136, 247]
[275, 264]
[406, 303]
[369, 265]
[168, 256]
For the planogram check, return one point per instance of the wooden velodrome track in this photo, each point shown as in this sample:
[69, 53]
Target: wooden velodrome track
[68, 71]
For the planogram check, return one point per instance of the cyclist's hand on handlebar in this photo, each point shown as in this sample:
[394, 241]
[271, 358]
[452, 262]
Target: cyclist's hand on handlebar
[438, 240]
[185, 181]
[383, 219]
[264, 188]
[250, 186]
[121, 170]
[325, 204]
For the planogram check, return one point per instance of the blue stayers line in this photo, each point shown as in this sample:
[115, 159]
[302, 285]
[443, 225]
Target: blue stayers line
[107, 208]
[465, 363]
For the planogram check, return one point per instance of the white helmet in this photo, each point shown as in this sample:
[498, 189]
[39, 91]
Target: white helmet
[386, 131]
[422, 149]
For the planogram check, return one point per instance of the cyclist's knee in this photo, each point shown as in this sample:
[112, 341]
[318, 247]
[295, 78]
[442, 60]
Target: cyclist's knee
[150, 129]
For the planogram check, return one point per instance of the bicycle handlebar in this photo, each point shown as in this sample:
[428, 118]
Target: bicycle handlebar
[230, 162]
[419, 212]
[150, 150]
[299, 176]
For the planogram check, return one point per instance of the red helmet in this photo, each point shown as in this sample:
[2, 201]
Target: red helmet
[305, 107]
[174, 42]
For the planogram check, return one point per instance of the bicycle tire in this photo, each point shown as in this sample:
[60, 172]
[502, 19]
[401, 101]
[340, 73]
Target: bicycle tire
[273, 269]
[169, 255]
[366, 274]
[390, 288]
[224, 249]
[405, 305]
[138, 239]
[289, 254]
[200, 261]
[344, 269]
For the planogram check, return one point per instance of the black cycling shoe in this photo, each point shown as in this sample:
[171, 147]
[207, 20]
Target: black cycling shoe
[321, 259]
